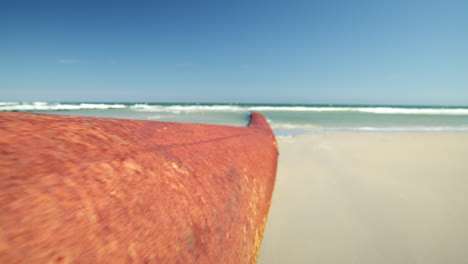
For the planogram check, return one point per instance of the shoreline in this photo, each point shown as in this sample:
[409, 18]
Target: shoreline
[347, 197]
[434, 130]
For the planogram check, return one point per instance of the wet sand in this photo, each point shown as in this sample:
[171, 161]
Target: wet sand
[370, 198]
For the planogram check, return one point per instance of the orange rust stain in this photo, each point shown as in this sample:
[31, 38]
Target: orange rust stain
[90, 190]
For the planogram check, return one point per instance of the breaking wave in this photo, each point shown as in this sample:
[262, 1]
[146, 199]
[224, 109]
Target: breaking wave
[45, 106]
[245, 108]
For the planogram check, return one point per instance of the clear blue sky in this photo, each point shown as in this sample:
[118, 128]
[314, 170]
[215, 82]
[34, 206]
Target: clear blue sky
[387, 52]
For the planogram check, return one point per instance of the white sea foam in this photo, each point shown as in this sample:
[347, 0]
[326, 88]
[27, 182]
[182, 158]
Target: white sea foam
[154, 117]
[368, 128]
[44, 106]
[414, 111]
[147, 108]
[296, 109]
[294, 126]
[414, 129]
[373, 110]
[241, 108]
[310, 128]
[285, 136]
[187, 108]
[8, 103]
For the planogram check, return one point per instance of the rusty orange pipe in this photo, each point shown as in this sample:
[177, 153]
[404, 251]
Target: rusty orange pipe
[96, 190]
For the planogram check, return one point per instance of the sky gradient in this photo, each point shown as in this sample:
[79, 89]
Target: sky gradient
[358, 52]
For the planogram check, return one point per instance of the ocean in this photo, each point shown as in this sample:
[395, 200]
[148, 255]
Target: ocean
[286, 120]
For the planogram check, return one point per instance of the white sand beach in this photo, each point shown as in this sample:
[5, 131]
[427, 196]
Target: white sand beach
[370, 198]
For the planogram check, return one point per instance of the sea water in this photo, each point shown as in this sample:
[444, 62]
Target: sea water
[286, 120]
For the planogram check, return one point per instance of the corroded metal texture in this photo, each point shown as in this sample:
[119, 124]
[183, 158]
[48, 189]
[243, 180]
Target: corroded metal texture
[96, 190]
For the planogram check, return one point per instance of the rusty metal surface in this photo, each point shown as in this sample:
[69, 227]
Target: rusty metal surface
[95, 190]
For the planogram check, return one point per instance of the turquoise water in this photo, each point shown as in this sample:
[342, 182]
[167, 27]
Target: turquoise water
[286, 120]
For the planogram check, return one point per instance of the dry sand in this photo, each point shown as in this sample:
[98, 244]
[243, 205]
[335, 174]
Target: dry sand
[370, 198]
